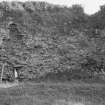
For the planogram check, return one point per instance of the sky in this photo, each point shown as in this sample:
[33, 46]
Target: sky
[90, 6]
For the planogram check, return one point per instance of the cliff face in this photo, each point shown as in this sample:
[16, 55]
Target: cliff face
[46, 38]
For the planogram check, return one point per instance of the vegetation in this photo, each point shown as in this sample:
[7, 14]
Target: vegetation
[54, 94]
[40, 39]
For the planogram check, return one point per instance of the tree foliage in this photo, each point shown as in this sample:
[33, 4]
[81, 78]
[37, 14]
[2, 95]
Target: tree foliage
[43, 38]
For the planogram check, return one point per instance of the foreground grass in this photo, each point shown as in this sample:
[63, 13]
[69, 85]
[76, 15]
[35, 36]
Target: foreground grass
[72, 93]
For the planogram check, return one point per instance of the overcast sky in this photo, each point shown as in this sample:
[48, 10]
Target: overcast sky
[90, 6]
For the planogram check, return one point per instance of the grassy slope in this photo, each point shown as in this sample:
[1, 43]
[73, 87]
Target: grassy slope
[54, 94]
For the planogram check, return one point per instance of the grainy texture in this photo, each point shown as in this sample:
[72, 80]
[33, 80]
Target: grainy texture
[58, 54]
[51, 42]
[71, 93]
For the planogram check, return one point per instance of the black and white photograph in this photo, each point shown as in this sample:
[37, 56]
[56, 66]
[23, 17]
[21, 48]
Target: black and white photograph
[52, 52]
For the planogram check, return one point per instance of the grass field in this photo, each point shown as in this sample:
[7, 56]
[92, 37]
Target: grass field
[72, 93]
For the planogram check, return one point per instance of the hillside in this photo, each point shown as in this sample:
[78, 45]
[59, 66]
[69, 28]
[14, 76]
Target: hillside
[46, 41]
